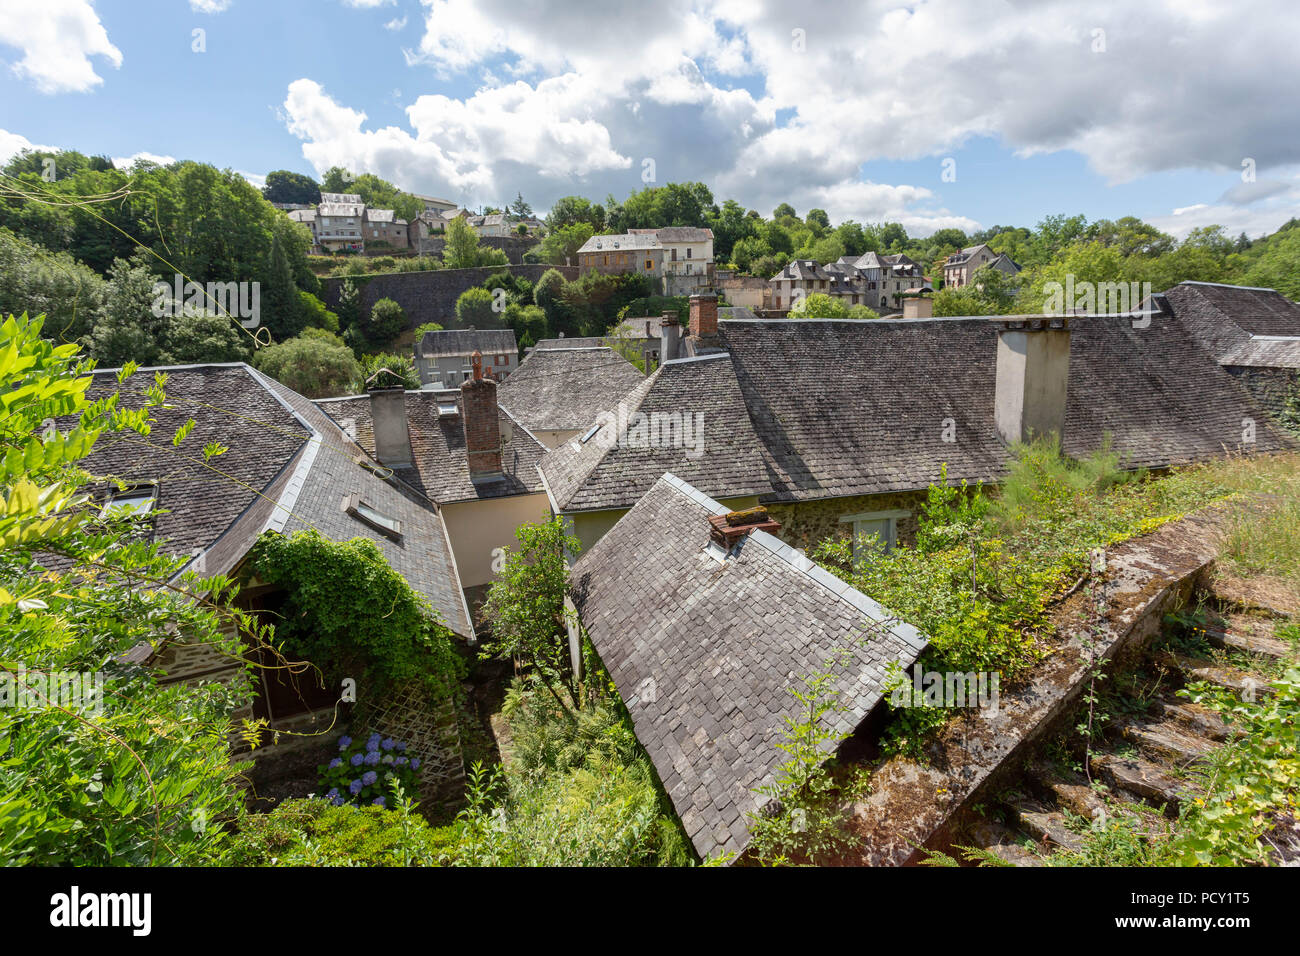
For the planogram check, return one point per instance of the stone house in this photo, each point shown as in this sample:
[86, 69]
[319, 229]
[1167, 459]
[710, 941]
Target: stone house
[444, 358]
[960, 267]
[704, 620]
[687, 257]
[289, 467]
[839, 427]
[556, 393]
[1254, 335]
[384, 231]
[611, 255]
[460, 448]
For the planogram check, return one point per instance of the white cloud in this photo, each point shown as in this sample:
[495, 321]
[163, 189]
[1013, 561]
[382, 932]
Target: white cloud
[396, 24]
[126, 162]
[57, 39]
[367, 4]
[11, 144]
[209, 6]
[253, 178]
[1255, 208]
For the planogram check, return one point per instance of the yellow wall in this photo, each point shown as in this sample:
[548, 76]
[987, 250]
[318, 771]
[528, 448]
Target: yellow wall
[590, 526]
[478, 527]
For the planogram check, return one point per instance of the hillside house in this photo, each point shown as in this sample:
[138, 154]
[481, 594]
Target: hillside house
[959, 268]
[444, 358]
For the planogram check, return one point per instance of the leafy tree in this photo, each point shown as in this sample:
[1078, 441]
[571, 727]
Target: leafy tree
[315, 313]
[548, 295]
[527, 321]
[387, 320]
[199, 337]
[284, 186]
[562, 243]
[521, 208]
[426, 327]
[462, 250]
[783, 210]
[572, 209]
[310, 366]
[525, 606]
[389, 371]
[148, 778]
[819, 305]
[818, 217]
[474, 308]
[68, 293]
[127, 329]
[281, 308]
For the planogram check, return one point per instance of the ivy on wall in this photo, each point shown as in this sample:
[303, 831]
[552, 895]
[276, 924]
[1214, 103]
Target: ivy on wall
[350, 613]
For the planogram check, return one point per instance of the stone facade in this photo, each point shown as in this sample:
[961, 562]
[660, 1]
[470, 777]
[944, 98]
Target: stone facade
[805, 524]
[1277, 389]
[429, 296]
[513, 246]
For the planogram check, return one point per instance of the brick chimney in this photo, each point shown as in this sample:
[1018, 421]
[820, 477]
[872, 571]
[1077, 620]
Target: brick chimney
[670, 337]
[704, 316]
[482, 424]
[392, 435]
[1033, 371]
[727, 529]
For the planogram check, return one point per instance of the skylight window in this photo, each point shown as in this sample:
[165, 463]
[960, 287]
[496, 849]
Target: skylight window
[590, 432]
[135, 501]
[368, 514]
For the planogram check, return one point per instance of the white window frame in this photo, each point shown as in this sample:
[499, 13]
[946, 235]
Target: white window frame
[891, 516]
[385, 524]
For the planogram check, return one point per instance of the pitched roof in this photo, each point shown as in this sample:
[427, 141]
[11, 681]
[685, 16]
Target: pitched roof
[688, 417]
[1239, 325]
[705, 652]
[451, 342]
[566, 388]
[683, 234]
[839, 408]
[288, 467]
[622, 243]
[802, 270]
[441, 468]
[381, 215]
[340, 209]
[350, 198]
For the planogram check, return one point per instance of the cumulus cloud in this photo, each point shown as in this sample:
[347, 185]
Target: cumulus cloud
[767, 102]
[209, 6]
[57, 39]
[126, 162]
[11, 144]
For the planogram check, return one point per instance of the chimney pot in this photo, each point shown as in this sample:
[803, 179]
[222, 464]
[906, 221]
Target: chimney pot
[1033, 371]
[392, 434]
[482, 424]
[704, 316]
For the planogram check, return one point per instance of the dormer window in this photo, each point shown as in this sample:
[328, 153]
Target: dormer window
[133, 501]
[368, 514]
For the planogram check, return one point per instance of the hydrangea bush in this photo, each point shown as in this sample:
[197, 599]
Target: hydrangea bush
[369, 771]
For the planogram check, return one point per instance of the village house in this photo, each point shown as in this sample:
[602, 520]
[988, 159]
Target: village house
[288, 468]
[703, 620]
[959, 268]
[558, 392]
[343, 223]
[875, 281]
[458, 447]
[383, 230]
[444, 357]
[640, 335]
[610, 255]
[1254, 335]
[681, 257]
[764, 416]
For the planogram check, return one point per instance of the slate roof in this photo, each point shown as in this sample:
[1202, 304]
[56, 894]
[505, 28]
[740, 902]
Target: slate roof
[683, 234]
[803, 270]
[289, 468]
[452, 342]
[441, 468]
[382, 215]
[839, 408]
[622, 243]
[340, 209]
[566, 388]
[705, 653]
[350, 198]
[719, 453]
[1239, 325]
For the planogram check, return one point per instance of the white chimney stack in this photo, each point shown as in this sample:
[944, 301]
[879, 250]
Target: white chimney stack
[1033, 372]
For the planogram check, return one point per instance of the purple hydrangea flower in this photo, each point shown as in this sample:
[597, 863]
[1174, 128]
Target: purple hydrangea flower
[334, 792]
[401, 746]
[357, 758]
[372, 758]
[336, 762]
[379, 802]
[338, 801]
[344, 743]
[415, 763]
[354, 787]
[388, 758]
[369, 777]
[401, 761]
[373, 742]
[387, 744]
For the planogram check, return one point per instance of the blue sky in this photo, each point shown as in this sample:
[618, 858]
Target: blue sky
[854, 107]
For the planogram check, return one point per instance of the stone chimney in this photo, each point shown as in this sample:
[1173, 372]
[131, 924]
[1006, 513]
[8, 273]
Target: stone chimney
[704, 316]
[918, 307]
[670, 337]
[727, 529]
[392, 436]
[482, 424]
[1033, 370]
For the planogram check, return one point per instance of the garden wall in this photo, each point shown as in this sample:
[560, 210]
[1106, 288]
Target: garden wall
[429, 296]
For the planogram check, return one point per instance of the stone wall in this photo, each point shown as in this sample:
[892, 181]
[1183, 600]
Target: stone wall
[805, 524]
[513, 246]
[429, 296]
[1271, 387]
